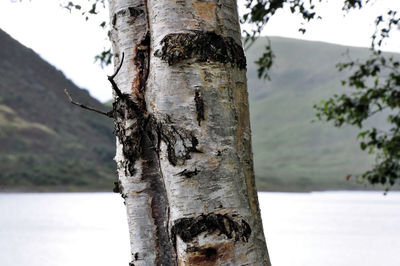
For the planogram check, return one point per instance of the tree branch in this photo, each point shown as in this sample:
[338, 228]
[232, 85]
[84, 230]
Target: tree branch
[108, 114]
[111, 78]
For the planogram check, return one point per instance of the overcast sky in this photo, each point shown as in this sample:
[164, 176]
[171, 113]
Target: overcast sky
[69, 43]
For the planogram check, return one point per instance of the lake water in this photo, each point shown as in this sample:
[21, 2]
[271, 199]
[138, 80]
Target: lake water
[302, 229]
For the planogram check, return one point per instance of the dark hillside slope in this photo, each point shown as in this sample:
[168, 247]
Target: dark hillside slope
[44, 140]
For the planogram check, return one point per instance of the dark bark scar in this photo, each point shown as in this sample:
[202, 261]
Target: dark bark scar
[189, 228]
[198, 99]
[188, 174]
[202, 46]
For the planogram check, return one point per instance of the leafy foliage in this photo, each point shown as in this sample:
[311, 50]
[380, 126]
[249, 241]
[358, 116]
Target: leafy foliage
[104, 58]
[260, 12]
[376, 83]
[265, 62]
[89, 9]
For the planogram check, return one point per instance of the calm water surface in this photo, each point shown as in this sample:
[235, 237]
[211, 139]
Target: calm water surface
[310, 229]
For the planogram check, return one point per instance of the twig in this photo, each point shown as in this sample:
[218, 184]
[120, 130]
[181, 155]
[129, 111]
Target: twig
[86, 107]
[111, 78]
[114, 86]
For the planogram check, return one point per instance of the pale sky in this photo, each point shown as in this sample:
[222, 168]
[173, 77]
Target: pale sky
[69, 43]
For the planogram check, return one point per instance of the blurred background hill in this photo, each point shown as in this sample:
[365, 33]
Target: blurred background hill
[291, 152]
[47, 144]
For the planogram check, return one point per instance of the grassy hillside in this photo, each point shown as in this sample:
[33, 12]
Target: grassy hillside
[291, 152]
[45, 142]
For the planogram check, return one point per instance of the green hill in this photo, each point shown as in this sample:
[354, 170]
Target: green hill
[291, 153]
[45, 142]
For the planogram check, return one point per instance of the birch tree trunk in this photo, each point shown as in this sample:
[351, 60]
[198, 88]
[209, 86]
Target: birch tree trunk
[184, 154]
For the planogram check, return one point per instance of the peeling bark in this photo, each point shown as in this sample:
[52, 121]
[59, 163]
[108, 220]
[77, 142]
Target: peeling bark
[183, 134]
[189, 228]
[203, 46]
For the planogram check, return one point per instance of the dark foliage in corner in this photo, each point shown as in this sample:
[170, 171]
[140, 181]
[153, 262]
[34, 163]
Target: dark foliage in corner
[376, 91]
[376, 83]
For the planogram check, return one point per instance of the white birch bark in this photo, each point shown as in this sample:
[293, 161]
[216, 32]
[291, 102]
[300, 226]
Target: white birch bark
[183, 134]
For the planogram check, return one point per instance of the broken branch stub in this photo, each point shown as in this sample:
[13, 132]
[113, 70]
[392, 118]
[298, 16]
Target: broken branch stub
[108, 114]
[111, 78]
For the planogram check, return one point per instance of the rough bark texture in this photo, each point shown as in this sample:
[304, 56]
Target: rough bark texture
[183, 134]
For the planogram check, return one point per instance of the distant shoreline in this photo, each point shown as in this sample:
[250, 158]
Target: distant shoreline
[4, 190]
